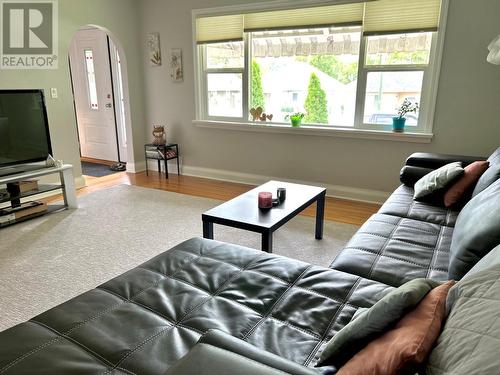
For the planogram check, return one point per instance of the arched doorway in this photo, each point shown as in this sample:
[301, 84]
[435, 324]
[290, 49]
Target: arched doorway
[100, 90]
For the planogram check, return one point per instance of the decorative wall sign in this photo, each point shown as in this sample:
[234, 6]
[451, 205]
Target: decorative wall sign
[176, 71]
[154, 49]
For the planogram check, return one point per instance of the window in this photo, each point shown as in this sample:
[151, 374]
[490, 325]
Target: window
[348, 65]
[224, 68]
[91, 82]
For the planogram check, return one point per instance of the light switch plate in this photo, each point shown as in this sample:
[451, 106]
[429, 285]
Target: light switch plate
[53, 93]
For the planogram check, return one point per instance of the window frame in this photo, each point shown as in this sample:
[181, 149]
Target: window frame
[429, 85]
[424, 120]
[204, 71]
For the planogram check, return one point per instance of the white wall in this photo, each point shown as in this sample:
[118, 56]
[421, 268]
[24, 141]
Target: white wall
[121, 18]
[466, 120]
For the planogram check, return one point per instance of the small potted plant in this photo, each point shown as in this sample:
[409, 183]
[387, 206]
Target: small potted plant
[398, 122]
[295, 118]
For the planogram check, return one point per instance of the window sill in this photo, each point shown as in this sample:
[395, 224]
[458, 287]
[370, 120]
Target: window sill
[329, 131]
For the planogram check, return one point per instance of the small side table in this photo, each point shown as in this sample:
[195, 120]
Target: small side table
[164, 152]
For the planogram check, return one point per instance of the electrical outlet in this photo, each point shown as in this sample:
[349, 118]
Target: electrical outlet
[53, 93]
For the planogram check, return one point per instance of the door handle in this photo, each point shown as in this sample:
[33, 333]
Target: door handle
[109, 105]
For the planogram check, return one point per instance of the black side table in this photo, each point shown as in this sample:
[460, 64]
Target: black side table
[164, 152]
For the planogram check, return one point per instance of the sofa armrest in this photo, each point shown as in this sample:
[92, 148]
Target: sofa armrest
[409, 174]
[219, 353]
[434, 161]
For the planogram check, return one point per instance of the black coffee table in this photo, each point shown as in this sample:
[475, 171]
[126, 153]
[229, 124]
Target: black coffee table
[243, 212]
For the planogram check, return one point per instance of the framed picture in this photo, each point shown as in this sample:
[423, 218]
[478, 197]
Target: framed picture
[176, 70]
[154, 49]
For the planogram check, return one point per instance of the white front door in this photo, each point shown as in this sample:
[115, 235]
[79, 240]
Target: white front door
[93, 91]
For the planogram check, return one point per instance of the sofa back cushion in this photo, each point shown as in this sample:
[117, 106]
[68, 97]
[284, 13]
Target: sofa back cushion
[491, 175]
[477, 231]
[470, 340]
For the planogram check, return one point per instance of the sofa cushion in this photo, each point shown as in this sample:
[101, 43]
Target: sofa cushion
[375, 321]
[436, 181]
[491, 175]
[470, 341]
[460, 190]
[404, 348]
[477, 231]
[148, 318]
[394, 250]
[401, 204]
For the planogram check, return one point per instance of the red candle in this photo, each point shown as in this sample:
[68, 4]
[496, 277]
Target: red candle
[265, 199]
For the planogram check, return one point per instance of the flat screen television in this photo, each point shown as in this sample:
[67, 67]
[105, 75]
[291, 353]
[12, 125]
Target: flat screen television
[24, 128]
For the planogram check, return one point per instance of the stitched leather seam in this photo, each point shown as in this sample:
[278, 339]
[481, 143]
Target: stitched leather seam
[395, 239]
[377, 258]
[278, 300]
[334, 318]
[81, 346]
[435, 253]
[32, 351]
[304, 288]
[150, 338]
[172, 322]
[291, 325]
[410, 227]
[257, 363]
[54, 340]
[228, 280]
[395, 258]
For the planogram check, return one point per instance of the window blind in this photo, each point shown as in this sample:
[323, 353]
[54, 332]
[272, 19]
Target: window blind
[395, 16]
[219, 28]
[377, 17]
[344, 14]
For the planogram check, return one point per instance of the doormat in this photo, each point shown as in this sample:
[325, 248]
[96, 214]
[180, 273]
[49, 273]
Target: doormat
[96, 170]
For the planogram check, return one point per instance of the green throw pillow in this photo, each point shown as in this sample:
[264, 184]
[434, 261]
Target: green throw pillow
[374, 321]
[437, 180]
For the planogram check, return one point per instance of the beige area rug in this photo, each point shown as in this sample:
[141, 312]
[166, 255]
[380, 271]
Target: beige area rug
[48, 260]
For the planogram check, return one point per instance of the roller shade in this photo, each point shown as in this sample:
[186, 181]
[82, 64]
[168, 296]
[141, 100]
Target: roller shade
[294, 18]
[219, 28]
[394, 16]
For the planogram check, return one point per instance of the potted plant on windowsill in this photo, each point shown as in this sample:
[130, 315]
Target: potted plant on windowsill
[398, 122]
[295, 118]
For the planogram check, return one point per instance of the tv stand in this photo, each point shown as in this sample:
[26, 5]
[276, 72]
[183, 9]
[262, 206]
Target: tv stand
[18, 169]
[67, 185]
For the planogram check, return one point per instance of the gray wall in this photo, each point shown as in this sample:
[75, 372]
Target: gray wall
[120, 17]
[466, 119]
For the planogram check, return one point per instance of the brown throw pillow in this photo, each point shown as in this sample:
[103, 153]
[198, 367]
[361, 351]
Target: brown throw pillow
[402, 349]
[471, 174]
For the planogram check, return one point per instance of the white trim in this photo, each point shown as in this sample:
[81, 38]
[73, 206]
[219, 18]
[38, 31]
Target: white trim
[435, 68]
[320, 130]
[336, 191]
[136, 167]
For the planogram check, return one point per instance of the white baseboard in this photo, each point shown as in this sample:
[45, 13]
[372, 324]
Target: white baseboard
[136, 167]
[337, 191]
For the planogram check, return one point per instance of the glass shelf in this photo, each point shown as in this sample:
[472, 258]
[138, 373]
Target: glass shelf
[42, 188]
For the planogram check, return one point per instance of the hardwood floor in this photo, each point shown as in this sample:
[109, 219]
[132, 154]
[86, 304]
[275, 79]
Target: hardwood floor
[340, 210]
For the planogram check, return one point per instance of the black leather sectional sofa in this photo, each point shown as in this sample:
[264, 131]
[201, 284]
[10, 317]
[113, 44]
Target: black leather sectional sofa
[211, 307]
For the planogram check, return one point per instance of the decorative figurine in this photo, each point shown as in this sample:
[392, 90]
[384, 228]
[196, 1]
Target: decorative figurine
[159, 135]
[259, 114]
